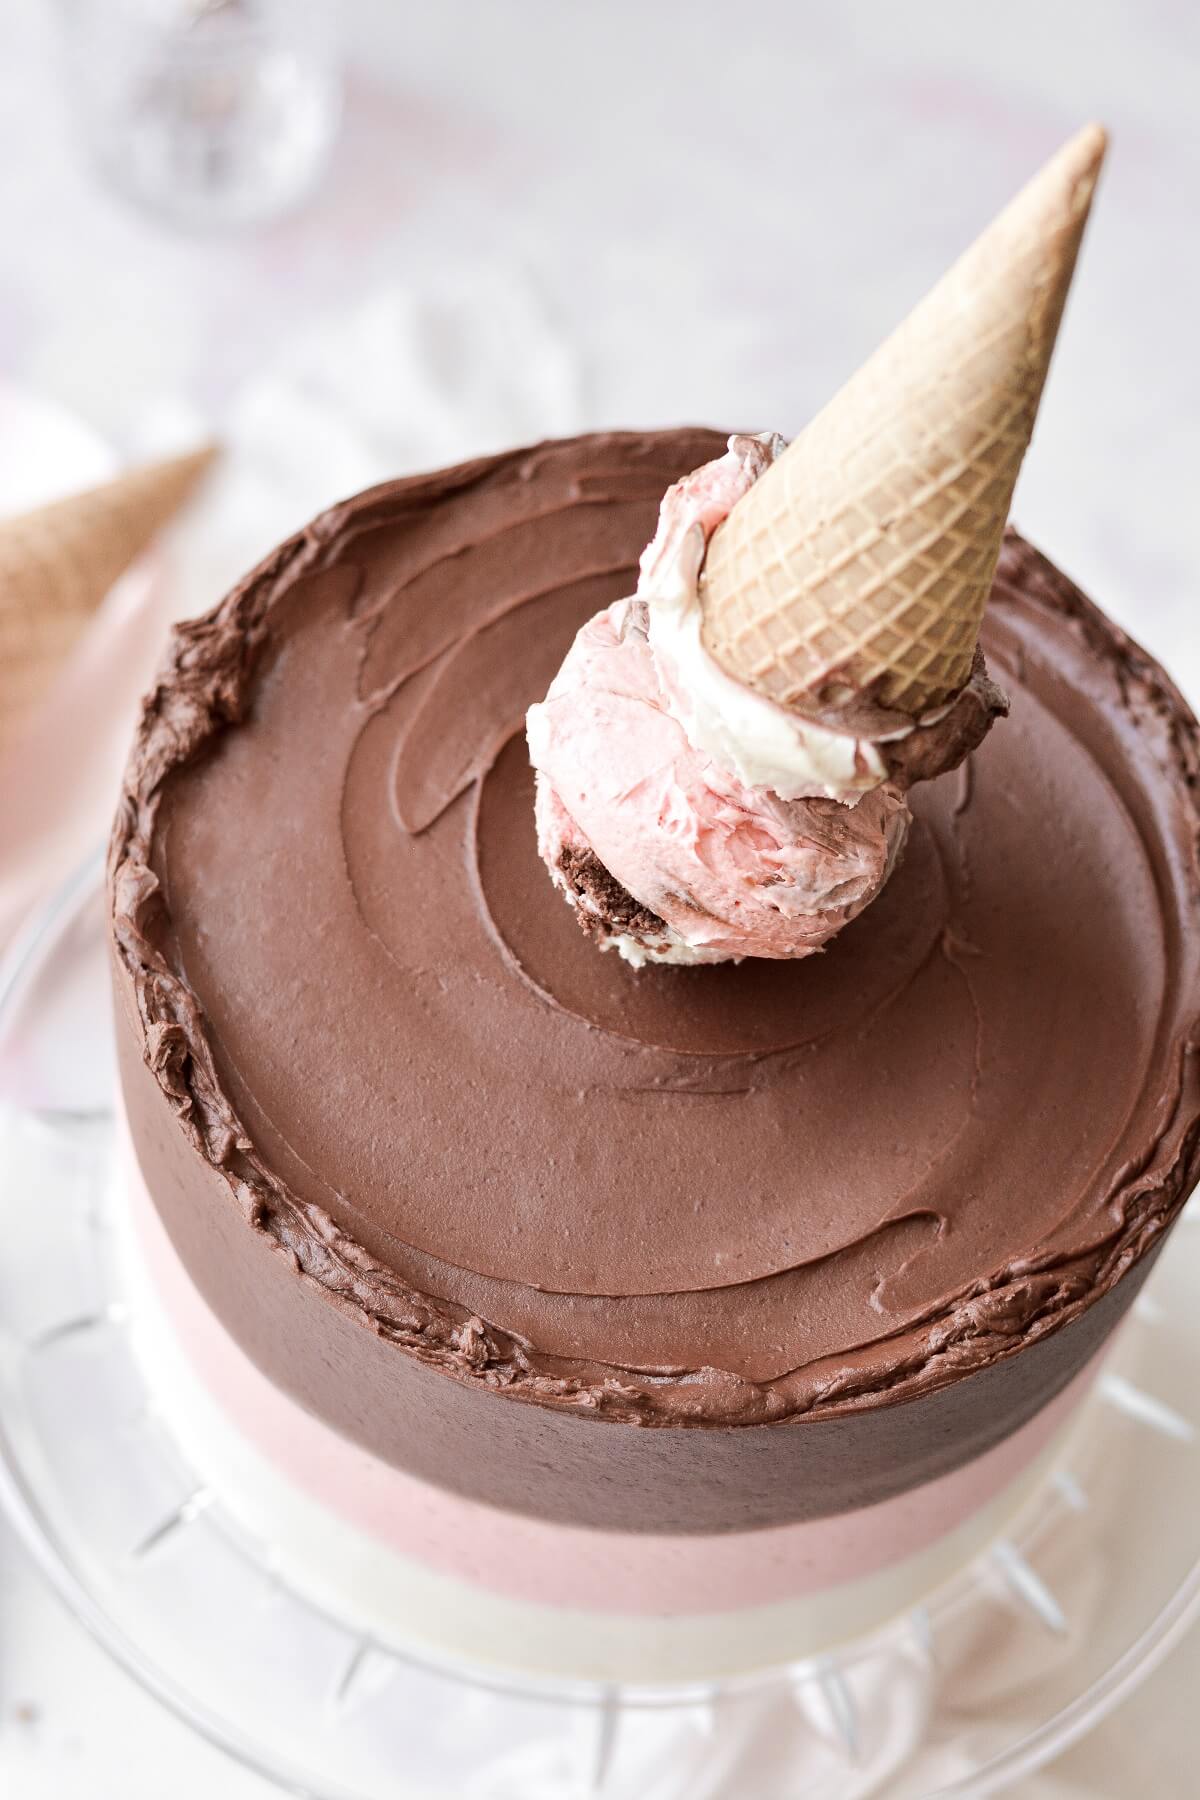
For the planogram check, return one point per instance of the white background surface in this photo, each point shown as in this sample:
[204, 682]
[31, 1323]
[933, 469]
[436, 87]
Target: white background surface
[724, 209]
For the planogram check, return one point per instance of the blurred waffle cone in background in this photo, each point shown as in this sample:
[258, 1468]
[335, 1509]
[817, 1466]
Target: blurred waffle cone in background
[860, 564]
[58, 563]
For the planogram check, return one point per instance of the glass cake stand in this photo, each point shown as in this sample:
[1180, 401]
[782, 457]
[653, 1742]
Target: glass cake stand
[996, 1673]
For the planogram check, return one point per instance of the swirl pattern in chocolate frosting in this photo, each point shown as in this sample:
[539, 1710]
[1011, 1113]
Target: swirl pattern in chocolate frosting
[673, 1196]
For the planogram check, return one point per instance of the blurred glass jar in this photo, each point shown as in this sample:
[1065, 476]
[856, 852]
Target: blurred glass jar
[210, 113]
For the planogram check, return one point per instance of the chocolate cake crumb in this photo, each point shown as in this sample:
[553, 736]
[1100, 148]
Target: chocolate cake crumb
[609, 908]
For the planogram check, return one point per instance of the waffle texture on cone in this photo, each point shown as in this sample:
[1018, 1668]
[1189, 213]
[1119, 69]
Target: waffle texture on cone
[860, 563]
[58, 562]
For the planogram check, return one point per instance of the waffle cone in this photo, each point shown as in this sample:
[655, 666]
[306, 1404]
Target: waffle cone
[860, 563]
[58, 563]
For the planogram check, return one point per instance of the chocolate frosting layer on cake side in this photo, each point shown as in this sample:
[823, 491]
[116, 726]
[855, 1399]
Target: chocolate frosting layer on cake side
[367, 1048]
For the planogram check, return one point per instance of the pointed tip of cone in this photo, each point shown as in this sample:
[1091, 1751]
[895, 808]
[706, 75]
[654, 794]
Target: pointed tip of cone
[167, 481]
[1088, 146]
[150, 487]
[191, 463]
[1072, 172]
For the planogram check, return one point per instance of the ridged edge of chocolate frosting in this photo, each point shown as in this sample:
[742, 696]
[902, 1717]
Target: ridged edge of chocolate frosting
[203, 688]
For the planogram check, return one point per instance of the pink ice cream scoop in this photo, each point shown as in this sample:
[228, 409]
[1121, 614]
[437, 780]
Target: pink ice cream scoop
[689, 819]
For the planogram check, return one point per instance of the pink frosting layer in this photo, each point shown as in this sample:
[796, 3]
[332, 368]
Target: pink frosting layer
[554, 1564]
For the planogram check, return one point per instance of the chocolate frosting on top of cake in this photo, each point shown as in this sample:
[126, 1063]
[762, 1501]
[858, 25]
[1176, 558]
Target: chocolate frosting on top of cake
[672, 1196]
